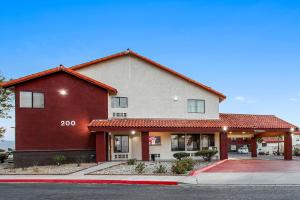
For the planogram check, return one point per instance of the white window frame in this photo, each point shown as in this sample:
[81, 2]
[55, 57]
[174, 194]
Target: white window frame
[32, 100]
[119, 102]
[195, 100]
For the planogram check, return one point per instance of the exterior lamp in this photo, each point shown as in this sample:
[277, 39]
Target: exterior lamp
[132, 132]
[225, 128]
[63, 92]
[292, 130]
[175, 98]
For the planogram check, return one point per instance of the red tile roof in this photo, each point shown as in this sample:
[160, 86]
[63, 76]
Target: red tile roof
[54, 70]
[297, 133]
[234, 121]
[132, 53]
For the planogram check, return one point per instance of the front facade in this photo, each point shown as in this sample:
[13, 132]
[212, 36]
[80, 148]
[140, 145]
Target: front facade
[126, 106]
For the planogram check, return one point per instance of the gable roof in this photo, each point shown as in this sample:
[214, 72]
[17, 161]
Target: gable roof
[132, 53]
[61, 68]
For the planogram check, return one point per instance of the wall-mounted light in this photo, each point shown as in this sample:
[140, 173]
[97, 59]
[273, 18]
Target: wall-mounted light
[63, 92]
[175, 98]
[132, 132]
[292, 129]
[225, 128]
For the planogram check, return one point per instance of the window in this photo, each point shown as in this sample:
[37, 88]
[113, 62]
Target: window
[121, 144]
[192, 142]
[207, 141]
[31, 100]
[119, 102]
[264, 144]
[178, 142]
[38, 100]
[25, 99]
[196, 106]
[154, 140]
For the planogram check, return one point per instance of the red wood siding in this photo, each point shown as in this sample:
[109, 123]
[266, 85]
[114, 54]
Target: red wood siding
[39, 129]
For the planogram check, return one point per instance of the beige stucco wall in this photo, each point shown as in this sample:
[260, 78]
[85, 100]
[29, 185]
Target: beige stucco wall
[165, 148]
[150, 90]
[135, 148]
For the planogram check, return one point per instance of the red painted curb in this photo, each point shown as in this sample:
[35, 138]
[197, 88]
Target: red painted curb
[124, 182]
[198, 171]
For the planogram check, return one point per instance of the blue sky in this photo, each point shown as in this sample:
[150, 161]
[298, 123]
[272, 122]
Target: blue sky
[248, 50]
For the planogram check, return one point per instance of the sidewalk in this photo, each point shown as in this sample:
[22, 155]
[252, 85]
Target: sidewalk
[244, 179]
[201, 179]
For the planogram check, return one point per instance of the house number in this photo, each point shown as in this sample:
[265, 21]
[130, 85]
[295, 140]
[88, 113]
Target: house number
[67, 123]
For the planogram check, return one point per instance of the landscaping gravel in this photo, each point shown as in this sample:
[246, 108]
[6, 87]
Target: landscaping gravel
[50, 169]
[150, 167]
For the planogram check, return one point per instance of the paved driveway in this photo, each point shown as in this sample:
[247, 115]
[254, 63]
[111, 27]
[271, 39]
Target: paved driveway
[256, 166]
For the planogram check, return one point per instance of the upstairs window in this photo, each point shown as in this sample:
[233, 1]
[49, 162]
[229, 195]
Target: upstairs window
[32, 100]
[119, 102]
[196, 106]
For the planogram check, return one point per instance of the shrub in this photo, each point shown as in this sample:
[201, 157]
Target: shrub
[181, 155]
[297, 152]
[179, 167]
[35, 169]
[207, 154]
[3, 156]
[131, 162]
[59, 159]
[79, 160]
[188, 163]
[160, 169]
[140, 168]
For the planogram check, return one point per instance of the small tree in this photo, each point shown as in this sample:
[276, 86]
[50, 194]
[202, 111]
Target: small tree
[6, 104]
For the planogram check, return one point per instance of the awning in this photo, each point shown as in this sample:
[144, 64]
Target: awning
[234, 122]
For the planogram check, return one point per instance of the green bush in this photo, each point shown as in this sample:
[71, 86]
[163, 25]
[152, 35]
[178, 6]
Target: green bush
[297, 152]
[181, 155]
[189, 163]
[179, 167]
[207, 154]
[131, 162]
[59, 159]
[183, 166]
[140, 168]
[160, 169]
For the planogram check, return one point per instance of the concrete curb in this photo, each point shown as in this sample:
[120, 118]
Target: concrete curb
[82, 181]
[198, 171]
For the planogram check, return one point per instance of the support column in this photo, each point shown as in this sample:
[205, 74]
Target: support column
[288, 147]
[145, 146]
[101, 147]
[223, 146]
[254, 147]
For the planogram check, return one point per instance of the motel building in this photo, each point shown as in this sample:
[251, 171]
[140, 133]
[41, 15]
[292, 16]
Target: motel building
[127, 106]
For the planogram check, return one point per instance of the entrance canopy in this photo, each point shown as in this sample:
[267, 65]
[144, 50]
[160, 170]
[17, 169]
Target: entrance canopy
[257, 124]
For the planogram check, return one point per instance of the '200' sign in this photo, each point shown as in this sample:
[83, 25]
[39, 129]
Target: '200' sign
[67, 123]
